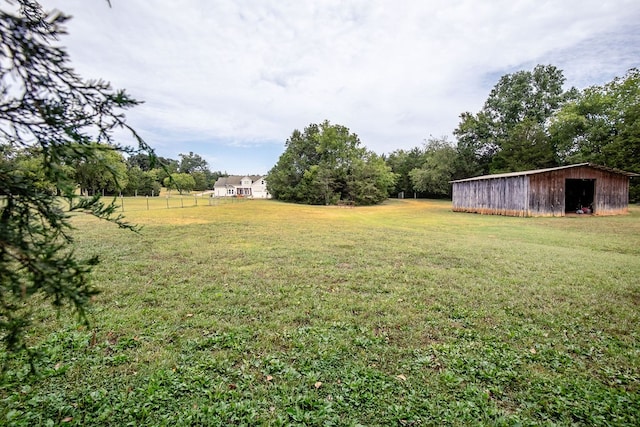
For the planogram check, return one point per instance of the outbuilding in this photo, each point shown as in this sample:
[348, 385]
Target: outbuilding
[582, 188]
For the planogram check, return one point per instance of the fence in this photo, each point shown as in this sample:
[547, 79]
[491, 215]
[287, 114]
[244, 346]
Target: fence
[132, 204]
[141, 203]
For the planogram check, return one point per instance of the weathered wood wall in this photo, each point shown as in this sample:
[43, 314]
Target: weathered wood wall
[540, 194]
[495, 196]
[547, 194]
[547, 191]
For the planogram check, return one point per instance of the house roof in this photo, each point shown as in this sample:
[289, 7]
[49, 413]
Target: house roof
[234, 180]
[537, 171]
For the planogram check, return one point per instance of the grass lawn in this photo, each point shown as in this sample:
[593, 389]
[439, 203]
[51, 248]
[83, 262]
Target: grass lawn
[403, 314]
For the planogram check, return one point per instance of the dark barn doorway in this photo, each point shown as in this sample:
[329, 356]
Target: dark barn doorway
[579, 194]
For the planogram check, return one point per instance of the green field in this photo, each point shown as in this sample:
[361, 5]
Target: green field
[406, 314]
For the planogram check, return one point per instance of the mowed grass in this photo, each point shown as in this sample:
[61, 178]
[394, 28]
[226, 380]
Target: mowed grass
[265, 313]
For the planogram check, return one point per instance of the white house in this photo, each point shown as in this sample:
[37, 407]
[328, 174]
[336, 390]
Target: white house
[253, 186]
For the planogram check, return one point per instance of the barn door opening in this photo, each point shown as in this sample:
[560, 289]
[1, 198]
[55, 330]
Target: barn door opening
[579, 195]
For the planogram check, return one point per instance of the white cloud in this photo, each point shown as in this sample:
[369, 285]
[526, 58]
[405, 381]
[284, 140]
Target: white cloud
[240, 73]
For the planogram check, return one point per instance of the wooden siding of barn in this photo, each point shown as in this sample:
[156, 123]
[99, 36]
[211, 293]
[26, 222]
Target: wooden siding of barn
[547, 191]
[496, 196]
[540, 194]
[612, 195]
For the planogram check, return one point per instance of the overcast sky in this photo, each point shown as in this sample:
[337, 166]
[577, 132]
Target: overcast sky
[231, 79]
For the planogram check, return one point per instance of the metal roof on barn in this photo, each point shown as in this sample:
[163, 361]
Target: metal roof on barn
[538, 171]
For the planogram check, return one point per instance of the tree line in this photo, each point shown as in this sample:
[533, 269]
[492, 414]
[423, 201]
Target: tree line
[113, 172]
[146, 175]
[325, 164]
[530, 122]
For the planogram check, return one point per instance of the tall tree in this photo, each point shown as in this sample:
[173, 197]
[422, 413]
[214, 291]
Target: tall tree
[141, 161]
[284, 180]
[370, 180]
[511, 131]
[319, 166]
[146, 162]
[190, 163]
[142, 183]
[104, 173]
[201, 180]
[46, 107]
[476, 144]
[168, 168]
[603, 126]
[528, 146]
[183, 182]
[440, 161]
[28, 163]
[402, 162]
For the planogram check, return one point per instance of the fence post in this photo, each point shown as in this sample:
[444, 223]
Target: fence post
[122, 202]
[147, 202]
[181, 202]
[196, 199]
[167, 202]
